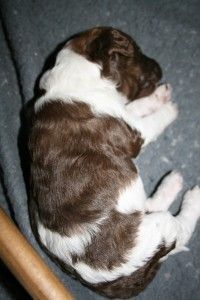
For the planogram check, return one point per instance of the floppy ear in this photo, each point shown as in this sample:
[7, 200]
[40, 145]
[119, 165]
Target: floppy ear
[104, 43]
[120, 53]
[121, 44]
[114, 51]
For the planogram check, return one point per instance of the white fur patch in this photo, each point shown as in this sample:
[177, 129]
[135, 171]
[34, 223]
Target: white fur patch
[153, 125]
[188, 216]
[132, 198]
[64, 246]
[74, 78]
[166, 193]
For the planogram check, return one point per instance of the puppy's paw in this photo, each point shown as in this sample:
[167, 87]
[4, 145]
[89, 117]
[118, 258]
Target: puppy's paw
[170, 111]
[163, 93]
[173, 183]
[192, 199]
[193, 194]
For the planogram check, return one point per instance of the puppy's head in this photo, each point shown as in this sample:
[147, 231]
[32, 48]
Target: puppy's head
[135, 74]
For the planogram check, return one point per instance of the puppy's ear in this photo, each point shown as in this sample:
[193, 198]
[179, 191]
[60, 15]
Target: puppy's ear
[117, 53]
[121, 44]
[105, 43]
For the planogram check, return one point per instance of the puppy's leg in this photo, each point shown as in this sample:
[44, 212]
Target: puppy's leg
[188, 216]
[147, 105]
[154, 124]
[166, 193]
[161, 228]
[187, 219]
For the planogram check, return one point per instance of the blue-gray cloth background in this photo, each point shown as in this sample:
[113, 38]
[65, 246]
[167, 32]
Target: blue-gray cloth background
[168, 31]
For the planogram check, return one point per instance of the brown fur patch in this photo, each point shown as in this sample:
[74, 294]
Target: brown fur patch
[121, 59]
[132, 285]
[79, 163]
[108, 247]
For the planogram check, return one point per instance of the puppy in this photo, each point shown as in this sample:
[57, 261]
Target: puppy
[88, 206]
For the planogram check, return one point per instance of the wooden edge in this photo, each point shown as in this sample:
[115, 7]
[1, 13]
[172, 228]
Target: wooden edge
[28, 267]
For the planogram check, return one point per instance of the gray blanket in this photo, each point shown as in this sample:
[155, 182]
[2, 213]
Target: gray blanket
[166, 30]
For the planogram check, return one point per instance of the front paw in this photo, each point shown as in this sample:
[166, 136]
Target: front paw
[163, 93]
[169, 112]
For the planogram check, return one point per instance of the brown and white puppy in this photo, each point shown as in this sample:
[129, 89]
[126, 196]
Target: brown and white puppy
[88, 206]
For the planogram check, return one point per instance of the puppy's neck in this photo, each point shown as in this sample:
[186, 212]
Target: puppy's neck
[74, 78]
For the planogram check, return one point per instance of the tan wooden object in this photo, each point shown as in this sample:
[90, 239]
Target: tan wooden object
[28, 267]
